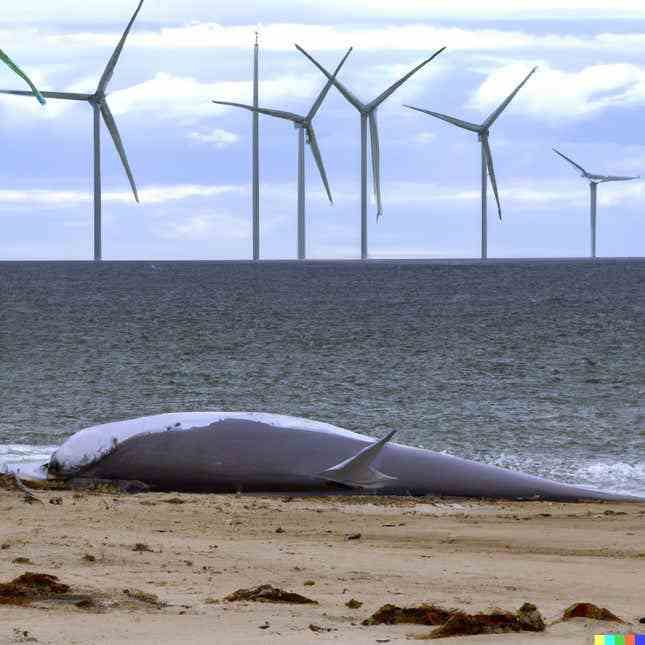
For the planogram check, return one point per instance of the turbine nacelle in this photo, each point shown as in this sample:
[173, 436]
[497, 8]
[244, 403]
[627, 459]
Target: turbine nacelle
[97, 98]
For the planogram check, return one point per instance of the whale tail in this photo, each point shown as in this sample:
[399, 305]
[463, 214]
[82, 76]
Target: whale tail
[357, 471]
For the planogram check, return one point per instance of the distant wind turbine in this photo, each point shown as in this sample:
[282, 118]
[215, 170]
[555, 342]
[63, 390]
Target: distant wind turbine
[594, 180]
[368, 114]
[99, 104]
[34, 90]
[304, 126]
[488, 170]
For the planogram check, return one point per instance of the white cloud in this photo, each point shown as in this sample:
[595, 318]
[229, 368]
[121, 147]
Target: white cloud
[163, 194]
[281, 36]
[219, 138]
[188, 99]
[150, 195]
[555, 94]
[398, 37]
[543, 194]
[16, 108]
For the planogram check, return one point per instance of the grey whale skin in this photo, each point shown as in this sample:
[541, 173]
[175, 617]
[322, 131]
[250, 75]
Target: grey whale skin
[253, 452]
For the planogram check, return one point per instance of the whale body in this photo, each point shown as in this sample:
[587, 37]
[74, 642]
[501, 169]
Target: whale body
[258, 452]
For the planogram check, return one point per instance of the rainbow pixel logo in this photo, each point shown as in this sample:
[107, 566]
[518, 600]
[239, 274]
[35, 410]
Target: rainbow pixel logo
[619, 639]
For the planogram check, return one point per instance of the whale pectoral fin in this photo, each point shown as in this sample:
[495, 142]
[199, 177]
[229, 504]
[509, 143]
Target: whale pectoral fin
[357, 471]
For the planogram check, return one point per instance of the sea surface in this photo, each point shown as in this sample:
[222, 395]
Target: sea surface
[538, 366]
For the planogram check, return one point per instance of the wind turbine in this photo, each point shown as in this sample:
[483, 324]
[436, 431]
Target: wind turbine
[305, 128]
[488, 170]
[594, 180]
[100, 108]
[34, 90]
[368, 115]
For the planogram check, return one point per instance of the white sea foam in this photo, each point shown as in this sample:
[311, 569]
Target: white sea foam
[25, 460]
[89, 445]
[600, 474]
[615, 476]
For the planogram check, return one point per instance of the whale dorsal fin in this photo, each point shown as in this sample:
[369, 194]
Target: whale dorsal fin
[357, 471]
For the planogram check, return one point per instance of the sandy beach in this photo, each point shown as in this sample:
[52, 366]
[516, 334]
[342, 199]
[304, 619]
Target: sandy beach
[153, 568]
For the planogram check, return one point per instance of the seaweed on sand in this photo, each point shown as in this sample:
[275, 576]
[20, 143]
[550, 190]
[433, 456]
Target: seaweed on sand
[268, 593]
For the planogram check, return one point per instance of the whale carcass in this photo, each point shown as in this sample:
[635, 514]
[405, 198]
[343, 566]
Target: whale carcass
[257, 452]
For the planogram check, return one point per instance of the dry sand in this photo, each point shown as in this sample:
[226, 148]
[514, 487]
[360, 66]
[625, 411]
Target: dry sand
[465, 554]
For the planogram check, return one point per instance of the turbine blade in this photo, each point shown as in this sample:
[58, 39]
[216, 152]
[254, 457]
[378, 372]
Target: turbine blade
[70, 96]
[339, 86]
[376, 163]
[315, 150]
[388, 92]
[116, 137]
[114, 59]
[466, 125]
[289, 116]
[605, 178]
[491, 173]
[573, 163]
[321, 97]
[17, 70]
[493, 117]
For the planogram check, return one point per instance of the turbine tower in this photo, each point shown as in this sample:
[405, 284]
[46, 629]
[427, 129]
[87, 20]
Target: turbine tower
[594, 180]
[367, 113]
[483, 131]
[100, 108]
[305, 129]
[34, 90]
[256, 152]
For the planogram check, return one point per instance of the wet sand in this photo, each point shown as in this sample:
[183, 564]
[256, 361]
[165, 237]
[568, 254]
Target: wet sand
[195, 549]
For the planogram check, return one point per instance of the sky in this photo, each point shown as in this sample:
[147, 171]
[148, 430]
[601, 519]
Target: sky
[192, 159]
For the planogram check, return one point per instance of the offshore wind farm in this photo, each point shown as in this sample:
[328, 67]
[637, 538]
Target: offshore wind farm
[370, 151]
[303, 365]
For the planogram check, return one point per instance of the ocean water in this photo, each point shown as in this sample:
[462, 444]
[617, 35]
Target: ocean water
[537, 366]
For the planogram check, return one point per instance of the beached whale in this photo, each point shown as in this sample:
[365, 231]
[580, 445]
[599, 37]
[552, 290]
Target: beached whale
[256, 452]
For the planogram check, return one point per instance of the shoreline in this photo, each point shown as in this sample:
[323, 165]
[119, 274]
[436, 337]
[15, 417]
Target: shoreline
[189, 551]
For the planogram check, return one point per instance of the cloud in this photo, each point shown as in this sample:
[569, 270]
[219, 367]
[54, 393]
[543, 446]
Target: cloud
[150, 195]
[189, 99]
[396, 37]
[543, 194]
[555, 94]
[281, 36]
[219, 138]
[15, 108]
